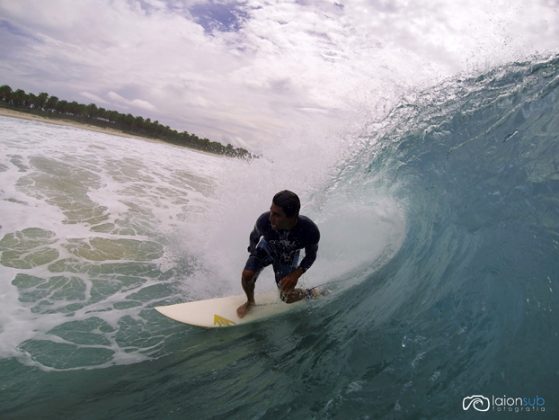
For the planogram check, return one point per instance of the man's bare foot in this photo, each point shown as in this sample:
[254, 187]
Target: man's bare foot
[292, 295]
[316, 292]
[243, 309]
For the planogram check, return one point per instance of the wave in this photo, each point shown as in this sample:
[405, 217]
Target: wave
[444, 216]
[469, 303]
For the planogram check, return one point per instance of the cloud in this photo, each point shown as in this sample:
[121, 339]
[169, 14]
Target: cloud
[254, 71]
[130, 103]
[94, 98]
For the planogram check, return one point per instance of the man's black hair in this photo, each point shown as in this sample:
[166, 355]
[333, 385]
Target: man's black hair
[288, 201]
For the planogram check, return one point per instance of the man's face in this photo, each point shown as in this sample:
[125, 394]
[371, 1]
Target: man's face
[278, 219]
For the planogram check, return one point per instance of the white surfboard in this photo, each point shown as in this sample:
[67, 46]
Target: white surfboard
[222, 312]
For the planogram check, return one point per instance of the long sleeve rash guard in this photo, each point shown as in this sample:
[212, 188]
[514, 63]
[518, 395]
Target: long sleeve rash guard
[284, 243]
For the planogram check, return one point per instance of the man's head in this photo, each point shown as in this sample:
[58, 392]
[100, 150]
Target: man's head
[284, 210]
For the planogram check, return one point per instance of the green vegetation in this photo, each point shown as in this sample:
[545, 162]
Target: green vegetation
[51, 107]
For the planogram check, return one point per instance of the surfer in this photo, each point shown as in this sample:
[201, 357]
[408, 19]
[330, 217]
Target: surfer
[277, 238]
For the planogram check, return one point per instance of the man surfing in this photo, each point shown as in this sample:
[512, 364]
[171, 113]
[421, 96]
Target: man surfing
[277, 238]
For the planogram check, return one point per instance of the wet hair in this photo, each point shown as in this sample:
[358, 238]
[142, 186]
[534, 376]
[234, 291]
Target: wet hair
[288, 201]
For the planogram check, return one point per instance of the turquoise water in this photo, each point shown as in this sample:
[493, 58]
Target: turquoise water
[453, 204]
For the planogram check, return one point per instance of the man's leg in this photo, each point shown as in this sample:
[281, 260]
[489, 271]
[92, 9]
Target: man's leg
[248, 280]
[254, 265]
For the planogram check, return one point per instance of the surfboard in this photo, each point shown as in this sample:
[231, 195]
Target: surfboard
[222, 312]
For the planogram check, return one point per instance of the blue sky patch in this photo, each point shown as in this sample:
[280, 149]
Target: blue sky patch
[217, 16]
[9, 27]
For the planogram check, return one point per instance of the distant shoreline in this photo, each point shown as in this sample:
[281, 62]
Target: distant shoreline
[50, 109]
[6, 112]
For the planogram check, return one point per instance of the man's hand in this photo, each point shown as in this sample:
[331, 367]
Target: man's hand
[290, 281]
[243, 309]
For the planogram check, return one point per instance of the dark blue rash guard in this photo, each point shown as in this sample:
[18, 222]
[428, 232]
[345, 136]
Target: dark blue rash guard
[285, 244]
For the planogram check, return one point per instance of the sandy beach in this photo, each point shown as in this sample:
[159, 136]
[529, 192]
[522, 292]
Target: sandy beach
[5, 112]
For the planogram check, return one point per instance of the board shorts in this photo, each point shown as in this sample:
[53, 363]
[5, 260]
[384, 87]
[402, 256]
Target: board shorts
[262, 257]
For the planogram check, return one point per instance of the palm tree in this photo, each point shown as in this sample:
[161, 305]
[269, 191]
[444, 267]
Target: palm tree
[51, 104]
[19, 98]
[6, 93]
[42, 100]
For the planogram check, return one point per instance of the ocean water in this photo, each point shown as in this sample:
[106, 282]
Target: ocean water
[441, 218]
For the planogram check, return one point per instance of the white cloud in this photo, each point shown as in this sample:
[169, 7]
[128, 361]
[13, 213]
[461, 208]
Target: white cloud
[94, 98]
[289, 65]
[130, 103]
[139, 103]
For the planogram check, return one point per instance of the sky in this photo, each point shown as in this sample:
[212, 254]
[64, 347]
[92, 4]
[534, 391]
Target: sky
[255, 72]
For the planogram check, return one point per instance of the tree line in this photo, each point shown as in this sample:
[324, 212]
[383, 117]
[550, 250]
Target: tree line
[50, 106]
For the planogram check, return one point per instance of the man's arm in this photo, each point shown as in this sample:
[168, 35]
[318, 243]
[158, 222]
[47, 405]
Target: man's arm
[313, 238]
[290, 281]
[310, 257]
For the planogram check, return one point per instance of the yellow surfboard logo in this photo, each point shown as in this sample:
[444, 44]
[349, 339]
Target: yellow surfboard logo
[222, 322]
